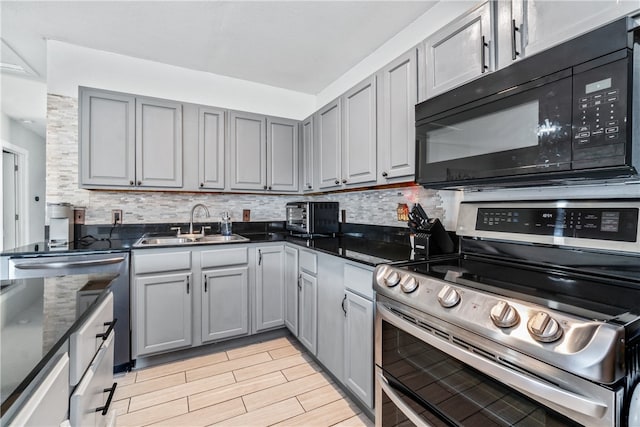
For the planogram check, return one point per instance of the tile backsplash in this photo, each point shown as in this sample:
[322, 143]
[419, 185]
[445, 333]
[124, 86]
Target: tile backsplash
[376, 207]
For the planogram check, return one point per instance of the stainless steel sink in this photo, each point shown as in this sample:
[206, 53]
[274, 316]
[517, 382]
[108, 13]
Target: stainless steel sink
[190, 240]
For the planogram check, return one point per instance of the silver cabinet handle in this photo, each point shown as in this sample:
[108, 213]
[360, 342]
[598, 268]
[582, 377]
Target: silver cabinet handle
[205, 283]
[529, 386]
[343, 308]
[187, 284]
[397, 401]
[259, 257]
[299, 282]
[68, 264]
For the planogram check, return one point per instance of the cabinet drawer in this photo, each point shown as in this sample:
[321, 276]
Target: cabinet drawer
[159, 262]
[224, 257]
[90, 395]
[84, 343]
[359, 280]
[308, 261]
[48, 404]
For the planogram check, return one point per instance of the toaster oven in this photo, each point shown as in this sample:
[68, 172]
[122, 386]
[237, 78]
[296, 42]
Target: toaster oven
[312, 217]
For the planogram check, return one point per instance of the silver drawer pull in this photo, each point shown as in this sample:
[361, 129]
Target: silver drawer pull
[69, 264]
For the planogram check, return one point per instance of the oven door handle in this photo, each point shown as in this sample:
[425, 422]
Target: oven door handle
[399, 403]
[68, 264]
[527, 385]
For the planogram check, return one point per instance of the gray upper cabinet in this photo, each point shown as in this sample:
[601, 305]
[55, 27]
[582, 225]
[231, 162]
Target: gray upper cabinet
[327, 140]
[225, 303]
[397, 96]
[282, 155]
[359, 155]
[526, 27]
[158, 143]
[459, 52]
[308, 181]
[247, 149]
[211, 134]
[107, 139]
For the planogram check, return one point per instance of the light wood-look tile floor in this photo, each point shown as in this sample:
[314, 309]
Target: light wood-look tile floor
[269, 383]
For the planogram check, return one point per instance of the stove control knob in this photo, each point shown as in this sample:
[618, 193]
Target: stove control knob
[448, 297]
[504, 315]
[409, 284]
[544, 328]
[392, 279]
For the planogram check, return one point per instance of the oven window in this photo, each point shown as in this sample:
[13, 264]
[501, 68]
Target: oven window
[432, 382]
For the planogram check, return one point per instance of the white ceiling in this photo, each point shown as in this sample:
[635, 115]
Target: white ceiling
[298, 45]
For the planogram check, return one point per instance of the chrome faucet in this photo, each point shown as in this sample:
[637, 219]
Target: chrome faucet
[193, 209]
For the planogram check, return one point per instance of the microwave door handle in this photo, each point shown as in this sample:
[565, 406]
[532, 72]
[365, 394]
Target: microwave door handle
[525, 384]
[397, 401]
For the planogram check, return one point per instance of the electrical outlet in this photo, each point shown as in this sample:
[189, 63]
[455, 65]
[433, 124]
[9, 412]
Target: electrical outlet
[78, 216]
[116, 216]
[246, 215]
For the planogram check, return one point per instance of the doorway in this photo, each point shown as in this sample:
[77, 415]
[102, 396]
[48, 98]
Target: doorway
[14, 161]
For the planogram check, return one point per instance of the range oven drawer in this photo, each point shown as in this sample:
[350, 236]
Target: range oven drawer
[425, 373]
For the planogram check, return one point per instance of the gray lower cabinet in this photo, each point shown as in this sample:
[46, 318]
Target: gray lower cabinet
[358, 346]
[211, 136]
[307, 326]
[397, 96]
[162, 315]
[331, 314]
[291, 289]
[225, 303]
[270, 290]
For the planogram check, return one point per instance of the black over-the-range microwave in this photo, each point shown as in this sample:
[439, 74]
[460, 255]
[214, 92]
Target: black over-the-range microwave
[569, 113]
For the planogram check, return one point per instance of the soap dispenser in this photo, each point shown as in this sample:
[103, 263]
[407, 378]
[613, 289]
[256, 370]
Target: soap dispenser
[225, 224]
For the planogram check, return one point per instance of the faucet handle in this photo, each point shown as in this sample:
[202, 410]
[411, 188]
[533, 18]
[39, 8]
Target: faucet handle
[204, 227]
[178, 229]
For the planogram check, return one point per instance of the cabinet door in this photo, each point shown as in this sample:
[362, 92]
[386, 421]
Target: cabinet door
[158, 143]
[162, 313]
[460, 52]
[107, 139]
[247, 148]
[211, 131]
[225, 303]
[331, 315]
[291, 289]
[359, 154]
[269, 287]
[282, 155]
[308, 307]
[398, 95]
[328, 136]
[308, 183]
[358, 346]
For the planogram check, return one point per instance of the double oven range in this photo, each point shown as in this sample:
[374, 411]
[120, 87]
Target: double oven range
[536, 322]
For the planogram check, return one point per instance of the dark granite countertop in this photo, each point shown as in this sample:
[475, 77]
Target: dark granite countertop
[366, 244]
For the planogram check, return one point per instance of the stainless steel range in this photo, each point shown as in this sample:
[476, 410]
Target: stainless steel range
[536, 322]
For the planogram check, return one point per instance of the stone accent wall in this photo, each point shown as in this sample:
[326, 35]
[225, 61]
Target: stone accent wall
[376, 207]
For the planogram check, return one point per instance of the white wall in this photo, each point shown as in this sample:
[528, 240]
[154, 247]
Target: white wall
[15, 134]
[70, 66]
[425, 25]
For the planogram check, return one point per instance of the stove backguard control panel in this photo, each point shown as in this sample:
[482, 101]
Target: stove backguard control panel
[616, 224]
